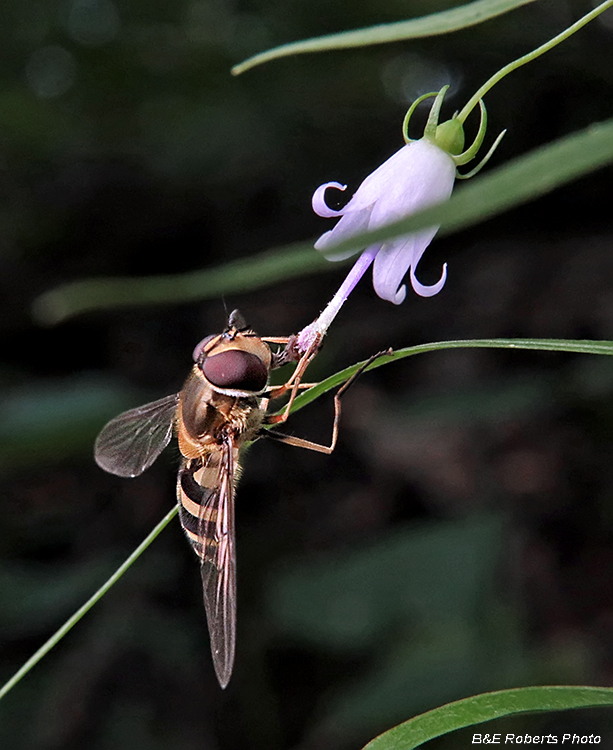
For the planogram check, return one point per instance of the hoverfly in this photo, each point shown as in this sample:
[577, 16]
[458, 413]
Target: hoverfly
[221, 408]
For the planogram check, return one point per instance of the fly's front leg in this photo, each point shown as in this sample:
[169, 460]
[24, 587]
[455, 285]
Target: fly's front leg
[294, 383]
[327, 449]
[282, 356]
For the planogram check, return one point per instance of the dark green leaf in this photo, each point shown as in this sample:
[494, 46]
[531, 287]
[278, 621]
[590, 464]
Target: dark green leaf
[437, 23]
[479, 708]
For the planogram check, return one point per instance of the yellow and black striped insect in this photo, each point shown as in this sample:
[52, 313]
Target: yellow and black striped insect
[222, 406]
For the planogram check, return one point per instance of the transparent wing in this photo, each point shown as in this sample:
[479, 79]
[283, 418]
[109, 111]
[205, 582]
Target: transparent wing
[131, 442]
[219, 566]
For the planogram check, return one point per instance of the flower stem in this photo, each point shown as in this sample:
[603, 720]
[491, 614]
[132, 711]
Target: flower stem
[474, 100]
[74, 619]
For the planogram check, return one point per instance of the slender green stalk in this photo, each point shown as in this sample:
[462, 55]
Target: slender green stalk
[480, 93]
[74, 619]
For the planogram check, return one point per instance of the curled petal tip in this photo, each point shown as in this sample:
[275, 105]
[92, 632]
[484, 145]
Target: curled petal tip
[319, 204]
[428, 291]
[400, 295]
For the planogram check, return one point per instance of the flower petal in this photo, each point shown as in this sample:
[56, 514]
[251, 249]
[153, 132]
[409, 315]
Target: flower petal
[319, 204]
[395, 259]
[351, 223]
[427, 178]
[417, 175]
[391, 264]
[378, 183]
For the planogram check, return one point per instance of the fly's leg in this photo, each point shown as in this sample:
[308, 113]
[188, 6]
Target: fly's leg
[308, 444]
[279, 357]
[265, 401]
[294, 384]
[289, 353]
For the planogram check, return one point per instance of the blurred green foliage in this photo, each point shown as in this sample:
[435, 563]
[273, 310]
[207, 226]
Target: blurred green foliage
[127, 149]
[421, 602]
[56, 420]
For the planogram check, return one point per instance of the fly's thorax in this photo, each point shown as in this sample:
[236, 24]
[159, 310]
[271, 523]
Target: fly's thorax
[197, 415]
[205, 417]
[236, 363]
[246, 420]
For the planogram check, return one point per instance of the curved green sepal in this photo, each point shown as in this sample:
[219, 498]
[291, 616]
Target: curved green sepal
[483, 161]
[432, 124]
[471, 151]
[409, 114]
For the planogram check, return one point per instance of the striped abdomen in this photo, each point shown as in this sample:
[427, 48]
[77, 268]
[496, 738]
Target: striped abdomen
[201, 485]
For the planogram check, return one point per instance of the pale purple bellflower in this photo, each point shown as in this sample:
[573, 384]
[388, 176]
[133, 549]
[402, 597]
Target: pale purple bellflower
[419, 175]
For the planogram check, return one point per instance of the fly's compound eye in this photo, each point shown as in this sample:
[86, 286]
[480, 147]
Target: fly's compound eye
[235, 370]
[200, 347]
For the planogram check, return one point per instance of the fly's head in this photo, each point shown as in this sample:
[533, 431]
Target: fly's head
[236, 362]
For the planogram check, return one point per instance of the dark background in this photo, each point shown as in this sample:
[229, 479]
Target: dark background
[459, 539]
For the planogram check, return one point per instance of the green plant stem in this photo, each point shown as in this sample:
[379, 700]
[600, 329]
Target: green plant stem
[480, 93]
[74, 619]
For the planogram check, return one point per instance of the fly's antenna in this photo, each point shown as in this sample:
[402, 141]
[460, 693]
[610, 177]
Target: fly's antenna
[236, 321]
[225, 307]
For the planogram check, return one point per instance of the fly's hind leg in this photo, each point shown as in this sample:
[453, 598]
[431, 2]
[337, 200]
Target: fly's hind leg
[308, 444]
